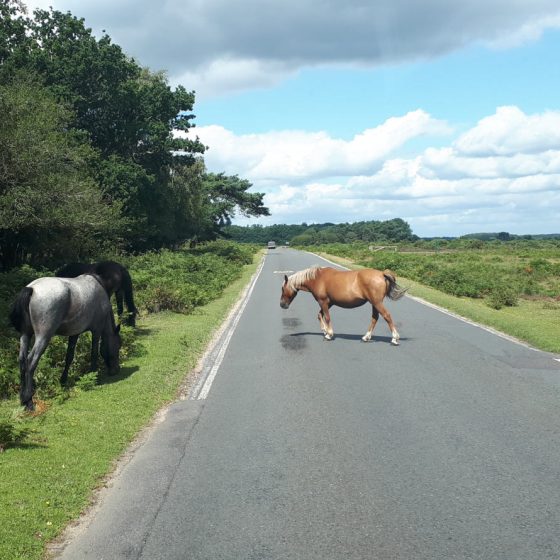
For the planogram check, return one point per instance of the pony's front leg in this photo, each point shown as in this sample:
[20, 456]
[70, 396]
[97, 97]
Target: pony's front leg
[322, 321]
[119, 296]
[326, 320]
[95, 337]
[374, 317]
[72, 340]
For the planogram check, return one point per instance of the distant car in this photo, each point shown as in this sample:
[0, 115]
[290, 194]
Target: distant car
[271, 245]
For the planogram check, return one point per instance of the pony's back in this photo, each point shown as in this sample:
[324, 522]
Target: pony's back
[74, 269]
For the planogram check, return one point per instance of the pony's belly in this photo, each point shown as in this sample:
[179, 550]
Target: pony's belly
[72, 328]
[349, 304]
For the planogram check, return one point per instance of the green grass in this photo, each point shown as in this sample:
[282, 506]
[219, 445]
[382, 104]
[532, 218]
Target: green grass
[46, 481]
[536, 322]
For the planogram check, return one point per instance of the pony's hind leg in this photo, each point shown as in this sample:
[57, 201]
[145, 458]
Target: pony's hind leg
[387, 316]
[28, 385]
[22, 358]
[374, 317]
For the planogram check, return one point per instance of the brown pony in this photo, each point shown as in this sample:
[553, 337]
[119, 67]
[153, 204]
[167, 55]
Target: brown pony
[347, 289]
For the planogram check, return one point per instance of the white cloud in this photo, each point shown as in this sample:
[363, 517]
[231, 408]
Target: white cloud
[295, 155]
[503, 174]
[510, 131]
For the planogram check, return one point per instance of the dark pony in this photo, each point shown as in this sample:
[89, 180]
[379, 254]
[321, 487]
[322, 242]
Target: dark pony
[67, 307]
[115, 278]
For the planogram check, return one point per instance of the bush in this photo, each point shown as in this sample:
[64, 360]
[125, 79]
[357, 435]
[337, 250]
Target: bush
[502, 296]
[181, 281]
[11, 433]
[88, 381]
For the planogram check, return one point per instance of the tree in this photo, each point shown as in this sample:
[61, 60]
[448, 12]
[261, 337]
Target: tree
[129, 114]
[13, 28]
[205, 202]
[120, 122]
[50, 206]
[228, 195]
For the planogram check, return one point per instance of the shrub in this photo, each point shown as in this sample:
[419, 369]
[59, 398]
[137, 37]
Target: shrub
[11, 433]
[179, 299]
[87, 382]
[183, 280]
[502, 296]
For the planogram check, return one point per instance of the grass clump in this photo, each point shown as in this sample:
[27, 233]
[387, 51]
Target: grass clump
[12, 433]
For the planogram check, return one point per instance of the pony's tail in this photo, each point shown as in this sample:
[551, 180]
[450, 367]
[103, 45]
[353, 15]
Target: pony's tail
[394, 291]
[128, 295]
[19, 314]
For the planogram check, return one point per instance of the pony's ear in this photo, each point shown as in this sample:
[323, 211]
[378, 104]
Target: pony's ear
[285, 278]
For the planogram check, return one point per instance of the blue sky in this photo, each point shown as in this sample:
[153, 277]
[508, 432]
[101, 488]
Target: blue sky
[446, 114]
[460, 87]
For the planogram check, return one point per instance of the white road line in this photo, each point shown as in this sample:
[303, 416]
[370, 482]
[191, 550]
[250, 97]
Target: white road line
[473, 323]
[456, 316]
[236, 314]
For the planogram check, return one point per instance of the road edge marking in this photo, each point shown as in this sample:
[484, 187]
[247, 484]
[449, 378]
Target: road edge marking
[211, 366]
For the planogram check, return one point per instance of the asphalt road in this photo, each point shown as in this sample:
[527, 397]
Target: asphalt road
[445, 447]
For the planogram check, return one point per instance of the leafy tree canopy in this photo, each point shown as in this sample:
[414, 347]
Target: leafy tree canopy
[304, 234]
[118, 121]
[50, 205]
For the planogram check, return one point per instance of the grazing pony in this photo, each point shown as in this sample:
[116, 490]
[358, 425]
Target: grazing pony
[116, 279]
[347, 289]
[68, 307]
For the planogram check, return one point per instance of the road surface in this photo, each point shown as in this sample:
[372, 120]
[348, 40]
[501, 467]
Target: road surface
[445, 447]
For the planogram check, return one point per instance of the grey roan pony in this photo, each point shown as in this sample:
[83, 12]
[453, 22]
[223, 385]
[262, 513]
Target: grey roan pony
[68, 307]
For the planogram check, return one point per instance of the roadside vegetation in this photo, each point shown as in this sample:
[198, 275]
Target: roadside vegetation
[52, 459]
[513, 286]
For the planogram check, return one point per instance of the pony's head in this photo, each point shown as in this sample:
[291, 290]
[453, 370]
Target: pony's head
[110, 347]
[289, 292]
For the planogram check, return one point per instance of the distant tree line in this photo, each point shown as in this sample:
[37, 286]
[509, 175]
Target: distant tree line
[388, 231]
[89, 157]
[506, 236]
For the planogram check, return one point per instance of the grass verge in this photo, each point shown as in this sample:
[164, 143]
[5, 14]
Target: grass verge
[534, 322]
[47, 481]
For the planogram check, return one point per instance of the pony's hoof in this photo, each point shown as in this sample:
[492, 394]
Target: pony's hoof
[395, 342]
[366, 339]
[328, 337]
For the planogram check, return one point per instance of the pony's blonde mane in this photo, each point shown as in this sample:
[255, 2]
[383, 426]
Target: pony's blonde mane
[296, 280]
